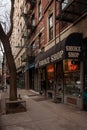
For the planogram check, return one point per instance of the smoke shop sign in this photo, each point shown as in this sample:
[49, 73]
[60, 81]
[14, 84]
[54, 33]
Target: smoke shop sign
[69, 52]
[44, 62]
[52, 58]
[73, 51]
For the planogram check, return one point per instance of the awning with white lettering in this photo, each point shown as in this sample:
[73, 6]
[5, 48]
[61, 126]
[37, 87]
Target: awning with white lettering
[68, 48]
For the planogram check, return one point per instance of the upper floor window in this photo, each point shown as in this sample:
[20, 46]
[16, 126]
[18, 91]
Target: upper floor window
[39, 10]
[40, 40]
[51, 27]
[64, 4]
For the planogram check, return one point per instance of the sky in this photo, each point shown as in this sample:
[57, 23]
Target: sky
[5, 6]
[5, 12]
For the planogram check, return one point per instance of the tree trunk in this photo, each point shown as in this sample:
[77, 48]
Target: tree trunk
[11, 64]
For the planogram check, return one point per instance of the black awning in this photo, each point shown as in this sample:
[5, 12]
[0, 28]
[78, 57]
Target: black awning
[69, 48]
[56, 48]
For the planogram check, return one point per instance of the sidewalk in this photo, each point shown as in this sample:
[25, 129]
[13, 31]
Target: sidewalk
[43, 114]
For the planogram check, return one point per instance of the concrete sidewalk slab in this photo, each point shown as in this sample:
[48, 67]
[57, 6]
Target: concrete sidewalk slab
[45, 115]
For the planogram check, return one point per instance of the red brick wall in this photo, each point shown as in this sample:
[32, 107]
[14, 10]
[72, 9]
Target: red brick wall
[46, 10]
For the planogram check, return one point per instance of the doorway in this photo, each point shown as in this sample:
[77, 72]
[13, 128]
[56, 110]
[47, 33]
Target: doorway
[31, 78]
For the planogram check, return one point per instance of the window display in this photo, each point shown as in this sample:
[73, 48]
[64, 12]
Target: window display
[71, 65]
[72, 84]
[50, 75]
[59, 77]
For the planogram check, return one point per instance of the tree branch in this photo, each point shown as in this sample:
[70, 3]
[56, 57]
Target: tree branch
[11, 18]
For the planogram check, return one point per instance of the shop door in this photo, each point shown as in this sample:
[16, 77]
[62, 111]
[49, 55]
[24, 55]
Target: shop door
[50, 80]
[43, 80]
[59, 81]
[31, 78]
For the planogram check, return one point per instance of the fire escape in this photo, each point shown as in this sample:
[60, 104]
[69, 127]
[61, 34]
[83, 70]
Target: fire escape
[29, 16]
[72, 10]
[29, 19]
[32, 3]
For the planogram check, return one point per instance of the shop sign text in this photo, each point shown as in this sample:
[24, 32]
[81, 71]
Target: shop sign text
[44, 62]
[52, 58]
[73, 48]
[73, 51]
[57, 56]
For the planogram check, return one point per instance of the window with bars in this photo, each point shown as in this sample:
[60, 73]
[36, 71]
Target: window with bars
[64, 4]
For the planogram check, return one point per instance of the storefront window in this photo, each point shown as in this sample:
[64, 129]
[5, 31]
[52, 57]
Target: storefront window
[59, 76]
[50, 75]
[72, 84]
[71, 65]
[43, 78]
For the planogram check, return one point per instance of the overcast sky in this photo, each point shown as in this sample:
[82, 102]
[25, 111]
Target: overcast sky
[5, 12]
[5, 6]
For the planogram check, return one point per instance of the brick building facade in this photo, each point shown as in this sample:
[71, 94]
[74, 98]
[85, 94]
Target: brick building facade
[56, 40]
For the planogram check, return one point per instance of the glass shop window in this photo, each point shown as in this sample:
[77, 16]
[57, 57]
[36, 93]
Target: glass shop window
[72, 84]
[50, 75]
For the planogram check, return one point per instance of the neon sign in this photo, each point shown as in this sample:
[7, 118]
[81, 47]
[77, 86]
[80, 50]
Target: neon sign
[72, 67]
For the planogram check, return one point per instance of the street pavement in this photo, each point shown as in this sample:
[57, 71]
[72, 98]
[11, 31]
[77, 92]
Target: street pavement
[43, 114]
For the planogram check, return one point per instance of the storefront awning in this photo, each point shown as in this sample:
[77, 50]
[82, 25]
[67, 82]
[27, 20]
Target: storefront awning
[68, 48]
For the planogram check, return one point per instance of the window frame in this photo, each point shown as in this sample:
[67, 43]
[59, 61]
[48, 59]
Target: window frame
[33, 48]
[39, 38]
[64, 4]
[51, 33]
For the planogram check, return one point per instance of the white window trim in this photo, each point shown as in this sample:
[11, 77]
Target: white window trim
[48, 41]
[39, 18]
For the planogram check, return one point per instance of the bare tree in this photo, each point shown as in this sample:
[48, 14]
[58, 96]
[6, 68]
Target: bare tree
[10, 60]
